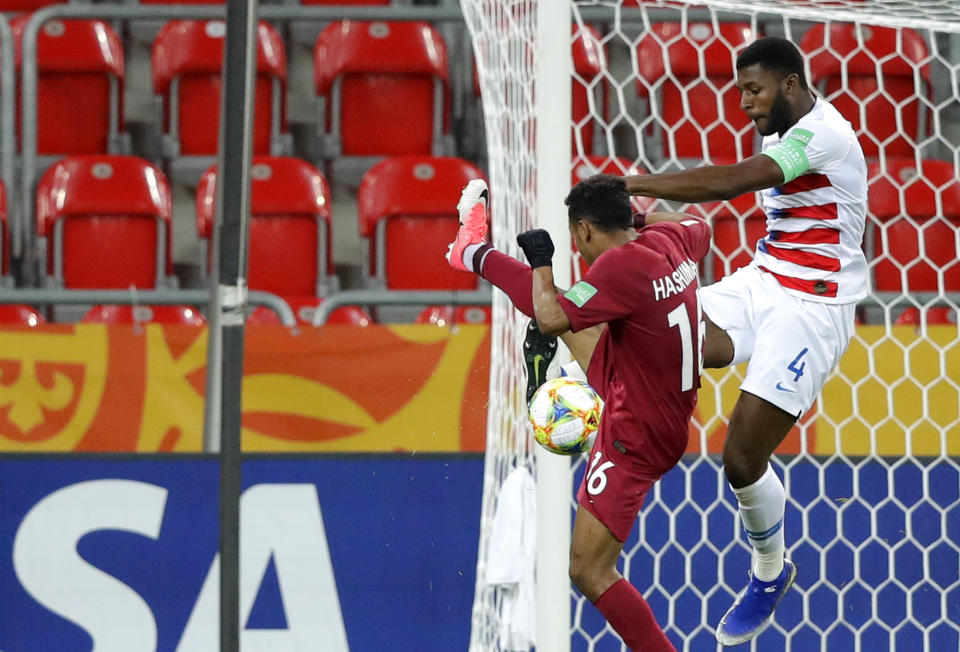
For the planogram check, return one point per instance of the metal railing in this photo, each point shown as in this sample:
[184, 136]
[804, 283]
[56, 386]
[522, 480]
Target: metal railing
[400, 298]
[8, 138]
[134, 297]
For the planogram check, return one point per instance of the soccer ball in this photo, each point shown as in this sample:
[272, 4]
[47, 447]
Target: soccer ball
[565, 415]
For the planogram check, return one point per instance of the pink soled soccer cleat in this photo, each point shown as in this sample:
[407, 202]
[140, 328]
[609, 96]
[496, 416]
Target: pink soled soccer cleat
[473, 222]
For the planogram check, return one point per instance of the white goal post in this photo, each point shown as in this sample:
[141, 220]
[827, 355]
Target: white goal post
[871, 472]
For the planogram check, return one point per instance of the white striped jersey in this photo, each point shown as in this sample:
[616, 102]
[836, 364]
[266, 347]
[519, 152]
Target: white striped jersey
[816, 218]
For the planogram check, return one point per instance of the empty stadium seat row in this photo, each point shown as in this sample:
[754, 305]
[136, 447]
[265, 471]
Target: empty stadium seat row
[106, 223]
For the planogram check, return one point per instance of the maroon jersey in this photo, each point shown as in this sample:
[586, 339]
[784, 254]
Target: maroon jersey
[646, 365]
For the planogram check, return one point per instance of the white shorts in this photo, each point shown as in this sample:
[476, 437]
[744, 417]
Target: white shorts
[792, 344]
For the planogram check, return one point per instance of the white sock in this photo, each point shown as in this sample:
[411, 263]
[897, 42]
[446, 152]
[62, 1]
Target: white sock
[762, 506]
[468, 252]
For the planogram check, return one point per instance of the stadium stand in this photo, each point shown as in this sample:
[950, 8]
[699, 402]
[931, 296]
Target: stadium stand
[15, 314]
[105, 220]
[304, 309]
[367, 75]
[882, 89]
[290, 227]
[682, 110]
[914, 214]
[187, 57]
[80, 68]
[936, 316]
[142, 314]
[452, 315]
[18, 6]
[407, 213]
[589, 60]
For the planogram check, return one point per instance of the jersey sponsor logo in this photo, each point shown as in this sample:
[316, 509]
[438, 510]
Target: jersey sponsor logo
[785, 389]
[675, 282]
[580, 293]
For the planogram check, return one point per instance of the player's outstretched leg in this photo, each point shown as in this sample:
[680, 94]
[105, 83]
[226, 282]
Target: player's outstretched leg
[472, 208]
[753, 610]
[538, 351]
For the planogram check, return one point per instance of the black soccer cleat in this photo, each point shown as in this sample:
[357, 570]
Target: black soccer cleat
[538, 351]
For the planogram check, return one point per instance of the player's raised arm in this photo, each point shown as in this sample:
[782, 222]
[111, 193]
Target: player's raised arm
[709, 182]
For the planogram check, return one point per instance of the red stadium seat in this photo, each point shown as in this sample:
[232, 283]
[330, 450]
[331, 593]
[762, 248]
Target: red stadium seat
[290, 227]
[304, 309]
[731, 249]
[909, 206]
[407, 211]
[187, 60]
[450, 315]
[688, 79]
[936, 316]
[384, 86]
[589, 61]
[881, 92]
[17, 6]
[20, 315]
[106, 221]
[161, 314]
[80, 75]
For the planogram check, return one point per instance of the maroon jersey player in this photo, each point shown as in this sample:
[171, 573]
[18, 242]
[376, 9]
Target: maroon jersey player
[642, 285]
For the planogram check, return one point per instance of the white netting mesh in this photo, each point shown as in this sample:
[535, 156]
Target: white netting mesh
[873, 515]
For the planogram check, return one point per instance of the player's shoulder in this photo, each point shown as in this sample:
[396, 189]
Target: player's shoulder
[690, 235]
[822, 123]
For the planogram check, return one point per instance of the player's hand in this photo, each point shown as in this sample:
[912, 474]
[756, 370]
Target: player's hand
[537, 246]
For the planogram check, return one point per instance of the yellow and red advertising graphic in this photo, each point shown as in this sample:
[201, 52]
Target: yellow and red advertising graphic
[902, 387]
[339, 388]
[91, 387]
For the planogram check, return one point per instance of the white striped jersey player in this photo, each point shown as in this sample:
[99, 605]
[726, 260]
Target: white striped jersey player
[815, 219]
[791, 312]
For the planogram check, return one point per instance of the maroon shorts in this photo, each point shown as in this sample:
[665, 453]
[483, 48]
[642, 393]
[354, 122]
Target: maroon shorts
[615, 484]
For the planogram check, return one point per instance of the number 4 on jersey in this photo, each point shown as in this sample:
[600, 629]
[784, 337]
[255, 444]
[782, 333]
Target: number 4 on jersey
[794, 368]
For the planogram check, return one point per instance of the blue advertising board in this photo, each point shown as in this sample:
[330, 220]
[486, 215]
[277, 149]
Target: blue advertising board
[338, 552]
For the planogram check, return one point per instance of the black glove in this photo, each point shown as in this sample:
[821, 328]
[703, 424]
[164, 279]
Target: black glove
[537, 246]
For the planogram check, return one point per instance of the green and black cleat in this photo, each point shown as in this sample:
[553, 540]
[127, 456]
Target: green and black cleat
[538, 351]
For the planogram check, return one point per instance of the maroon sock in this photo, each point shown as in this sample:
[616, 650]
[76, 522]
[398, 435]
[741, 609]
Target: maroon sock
[630, 615]
[511, 276]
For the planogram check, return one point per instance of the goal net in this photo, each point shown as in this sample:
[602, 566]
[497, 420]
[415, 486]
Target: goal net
[871, 472]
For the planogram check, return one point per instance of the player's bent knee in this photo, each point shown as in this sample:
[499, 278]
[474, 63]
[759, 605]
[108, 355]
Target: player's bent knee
[586, 576]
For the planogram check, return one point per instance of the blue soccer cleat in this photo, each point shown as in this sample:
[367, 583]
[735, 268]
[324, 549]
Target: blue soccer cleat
[753, 611]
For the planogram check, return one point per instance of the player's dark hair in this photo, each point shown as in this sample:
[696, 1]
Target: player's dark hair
[775, 54]
[603, 200]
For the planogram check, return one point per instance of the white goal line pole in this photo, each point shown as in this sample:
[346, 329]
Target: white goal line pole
[553, 107]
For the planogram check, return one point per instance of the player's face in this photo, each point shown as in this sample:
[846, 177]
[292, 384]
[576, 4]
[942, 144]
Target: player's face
[763, 99]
